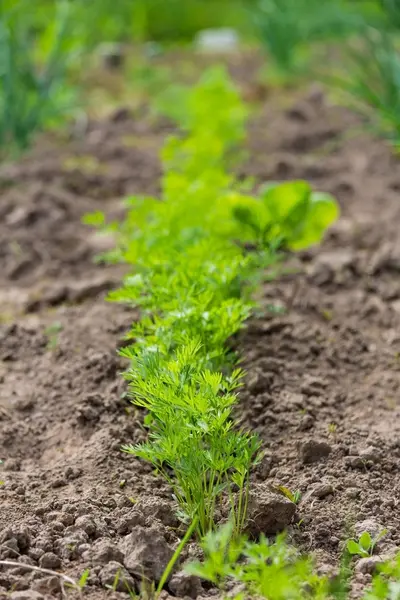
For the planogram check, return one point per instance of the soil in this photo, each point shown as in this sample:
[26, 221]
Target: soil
[322, 355]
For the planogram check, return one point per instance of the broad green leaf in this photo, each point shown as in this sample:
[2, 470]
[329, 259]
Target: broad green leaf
[354, 548]
[282, 200]
[323, 211]
[365, 541]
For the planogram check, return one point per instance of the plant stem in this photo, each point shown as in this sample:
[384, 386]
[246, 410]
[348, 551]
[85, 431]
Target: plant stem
[175, 556]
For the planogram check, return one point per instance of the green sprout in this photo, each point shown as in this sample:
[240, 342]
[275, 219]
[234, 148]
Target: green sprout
[294, 497]
[365, 545]
[52, 332]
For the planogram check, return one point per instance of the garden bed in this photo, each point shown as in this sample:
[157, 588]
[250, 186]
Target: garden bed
[323, 365]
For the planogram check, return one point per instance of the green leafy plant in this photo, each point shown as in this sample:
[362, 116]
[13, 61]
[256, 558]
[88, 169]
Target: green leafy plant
[288, 213]
[179, 20]
[391, 10]
[289, 29]
[365, 545]
[277, 571]
[193, 277]
[372, 85]
[33, 93]
[269, 570]
[386, 583]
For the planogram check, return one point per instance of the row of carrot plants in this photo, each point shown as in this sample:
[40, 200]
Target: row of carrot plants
[197, 256]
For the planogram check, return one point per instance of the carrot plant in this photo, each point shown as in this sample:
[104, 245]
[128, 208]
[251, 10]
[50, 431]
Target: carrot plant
[193, 276]
[263, 569]
[277, 571]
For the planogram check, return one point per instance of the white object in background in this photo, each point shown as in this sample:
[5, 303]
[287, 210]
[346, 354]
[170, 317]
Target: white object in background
[217, 40]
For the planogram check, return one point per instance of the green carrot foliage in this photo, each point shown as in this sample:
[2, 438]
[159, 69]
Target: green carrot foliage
[277, 571]
[193, 278]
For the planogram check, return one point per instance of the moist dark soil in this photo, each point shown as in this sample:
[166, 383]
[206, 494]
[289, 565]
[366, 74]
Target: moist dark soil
[322, 355]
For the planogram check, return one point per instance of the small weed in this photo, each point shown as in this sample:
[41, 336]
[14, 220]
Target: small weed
[83, 578]
[276, 309]
[127, 588]
[52, 332]
[169, 568]
[332, 429]
[365, 544]
[327, 314]
[294, 497]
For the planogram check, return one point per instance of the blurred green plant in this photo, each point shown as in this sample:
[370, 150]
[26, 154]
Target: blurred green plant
[290, 29]
[33, 72]
[265, 569]
[180, 20]
[371, 84]
[175, 21]
[391, 10]
[277, 571]
[289, 214]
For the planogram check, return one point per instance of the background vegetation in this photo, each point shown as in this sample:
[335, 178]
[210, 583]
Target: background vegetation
[46, 52]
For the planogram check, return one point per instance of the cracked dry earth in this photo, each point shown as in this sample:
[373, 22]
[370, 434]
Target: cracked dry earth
[322, 389]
